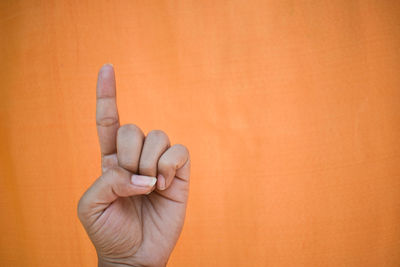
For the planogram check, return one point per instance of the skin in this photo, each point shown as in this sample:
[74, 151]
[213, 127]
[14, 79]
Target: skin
[134, 212]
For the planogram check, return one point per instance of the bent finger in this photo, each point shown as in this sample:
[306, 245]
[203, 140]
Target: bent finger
[173, 163]
[155, 144]
[129, 146]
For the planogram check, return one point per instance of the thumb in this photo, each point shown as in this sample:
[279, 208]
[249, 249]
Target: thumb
[114, 183]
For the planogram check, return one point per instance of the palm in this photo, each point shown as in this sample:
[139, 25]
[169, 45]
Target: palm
[127, 223]
[144, 226]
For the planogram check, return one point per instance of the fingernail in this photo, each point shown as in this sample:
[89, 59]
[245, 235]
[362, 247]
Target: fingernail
[109, 64]
[161, 182]
[141, 180]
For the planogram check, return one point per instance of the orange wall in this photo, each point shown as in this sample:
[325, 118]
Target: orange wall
[290, 110]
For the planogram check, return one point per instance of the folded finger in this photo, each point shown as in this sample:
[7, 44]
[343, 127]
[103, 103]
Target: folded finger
[155, 144]
[173, 163]
[129, 146]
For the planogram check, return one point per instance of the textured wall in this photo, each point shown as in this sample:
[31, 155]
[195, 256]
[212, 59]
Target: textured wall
[291, 111]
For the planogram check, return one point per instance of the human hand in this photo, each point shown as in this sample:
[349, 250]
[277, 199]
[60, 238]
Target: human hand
[134, 212]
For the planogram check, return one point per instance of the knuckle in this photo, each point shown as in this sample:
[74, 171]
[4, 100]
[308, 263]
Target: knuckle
[158, 134]
[130, 128]
[182, 148]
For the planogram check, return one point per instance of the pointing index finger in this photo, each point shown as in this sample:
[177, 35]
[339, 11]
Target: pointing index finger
[107, 118]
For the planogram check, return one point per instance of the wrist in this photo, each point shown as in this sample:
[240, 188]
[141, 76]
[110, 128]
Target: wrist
[107, 263]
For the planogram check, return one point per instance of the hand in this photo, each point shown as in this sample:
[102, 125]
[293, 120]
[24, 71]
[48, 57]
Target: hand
[134, 212]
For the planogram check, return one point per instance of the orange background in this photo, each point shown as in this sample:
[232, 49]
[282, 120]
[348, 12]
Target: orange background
[290, 110]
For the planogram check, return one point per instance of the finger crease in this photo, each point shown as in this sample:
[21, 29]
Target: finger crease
[173, 200]
[107, 122]
[105, 97]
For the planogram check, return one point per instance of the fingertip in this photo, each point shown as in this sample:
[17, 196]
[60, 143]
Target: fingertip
[143, 181]
[107, 66]
[106, 81]
[143, 185]
[161, 182]
[106, 71]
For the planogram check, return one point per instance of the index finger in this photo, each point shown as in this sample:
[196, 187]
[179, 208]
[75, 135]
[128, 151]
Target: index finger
[107, 118]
